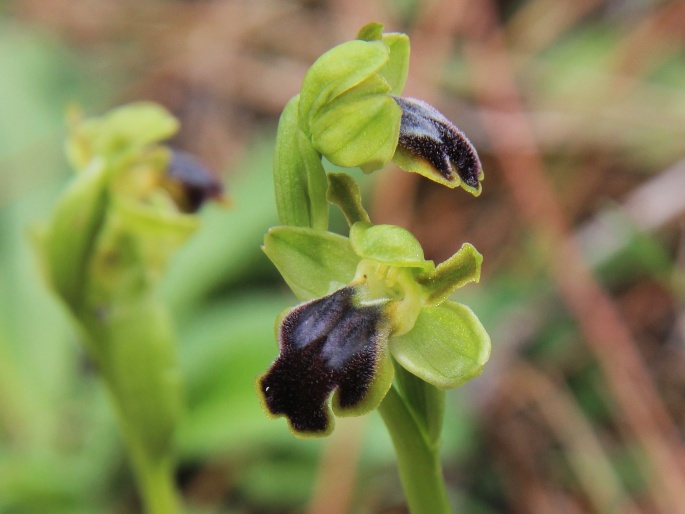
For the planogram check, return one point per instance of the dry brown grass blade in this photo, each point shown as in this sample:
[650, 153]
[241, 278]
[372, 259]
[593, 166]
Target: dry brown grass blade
[637, 399]
[337, 473]
[571, 428]
[540, 22]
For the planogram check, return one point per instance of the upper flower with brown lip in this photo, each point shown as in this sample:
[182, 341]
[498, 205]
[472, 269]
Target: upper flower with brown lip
[433, 146]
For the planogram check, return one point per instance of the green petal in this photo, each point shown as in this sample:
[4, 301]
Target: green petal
[360, 127]
[460, 269]
[317, 183]
[312, 262]
[344, 192]
[388, 244]
[447, 346]
[337, 71]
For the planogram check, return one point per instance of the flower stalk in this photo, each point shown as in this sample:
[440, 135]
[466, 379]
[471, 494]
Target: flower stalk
[418, 451]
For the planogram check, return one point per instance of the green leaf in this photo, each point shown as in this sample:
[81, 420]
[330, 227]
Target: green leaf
[388, 244]
[336, 72]
[447, 346]
[359, 128]
[397, 67]
[290, 172]
[460, 269]
[312, 262]
[317, 183]
[70, 237]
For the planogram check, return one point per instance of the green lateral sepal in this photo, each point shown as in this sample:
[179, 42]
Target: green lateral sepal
[312, 262]
[447, 346]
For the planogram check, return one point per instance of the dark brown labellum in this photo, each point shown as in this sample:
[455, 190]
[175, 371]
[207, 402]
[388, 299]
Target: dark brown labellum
[325, 344]
[428, 135]
[190, 182]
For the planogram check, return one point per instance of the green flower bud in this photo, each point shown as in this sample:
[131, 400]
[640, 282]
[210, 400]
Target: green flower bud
[106, 247]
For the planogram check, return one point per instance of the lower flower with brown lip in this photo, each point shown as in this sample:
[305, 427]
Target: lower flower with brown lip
[333, 343]
[342, 344]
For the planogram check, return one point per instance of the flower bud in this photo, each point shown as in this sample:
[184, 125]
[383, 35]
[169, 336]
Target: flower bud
[432, 146]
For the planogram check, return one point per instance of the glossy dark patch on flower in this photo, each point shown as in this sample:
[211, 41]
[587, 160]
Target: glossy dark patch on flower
[195, 183]
[325, 344]
[427, 134]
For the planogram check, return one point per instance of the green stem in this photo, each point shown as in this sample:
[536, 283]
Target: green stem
[154, 474]
[153, 465]
[417, 459]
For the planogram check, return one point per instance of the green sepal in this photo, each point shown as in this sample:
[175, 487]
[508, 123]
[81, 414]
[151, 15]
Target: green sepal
[122, 130]
[460, 269]
[68, 240]
[388, 244]
[312, 262]
[344, 192]
[359, 128]
[372, 31]
[337, 71]
[447, 346]
[382, 381]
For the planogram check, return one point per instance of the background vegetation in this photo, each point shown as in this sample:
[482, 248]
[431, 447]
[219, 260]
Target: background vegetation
[578, 111]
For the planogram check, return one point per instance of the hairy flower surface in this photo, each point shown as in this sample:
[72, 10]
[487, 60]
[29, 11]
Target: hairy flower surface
[433, 146]
[328, 344]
